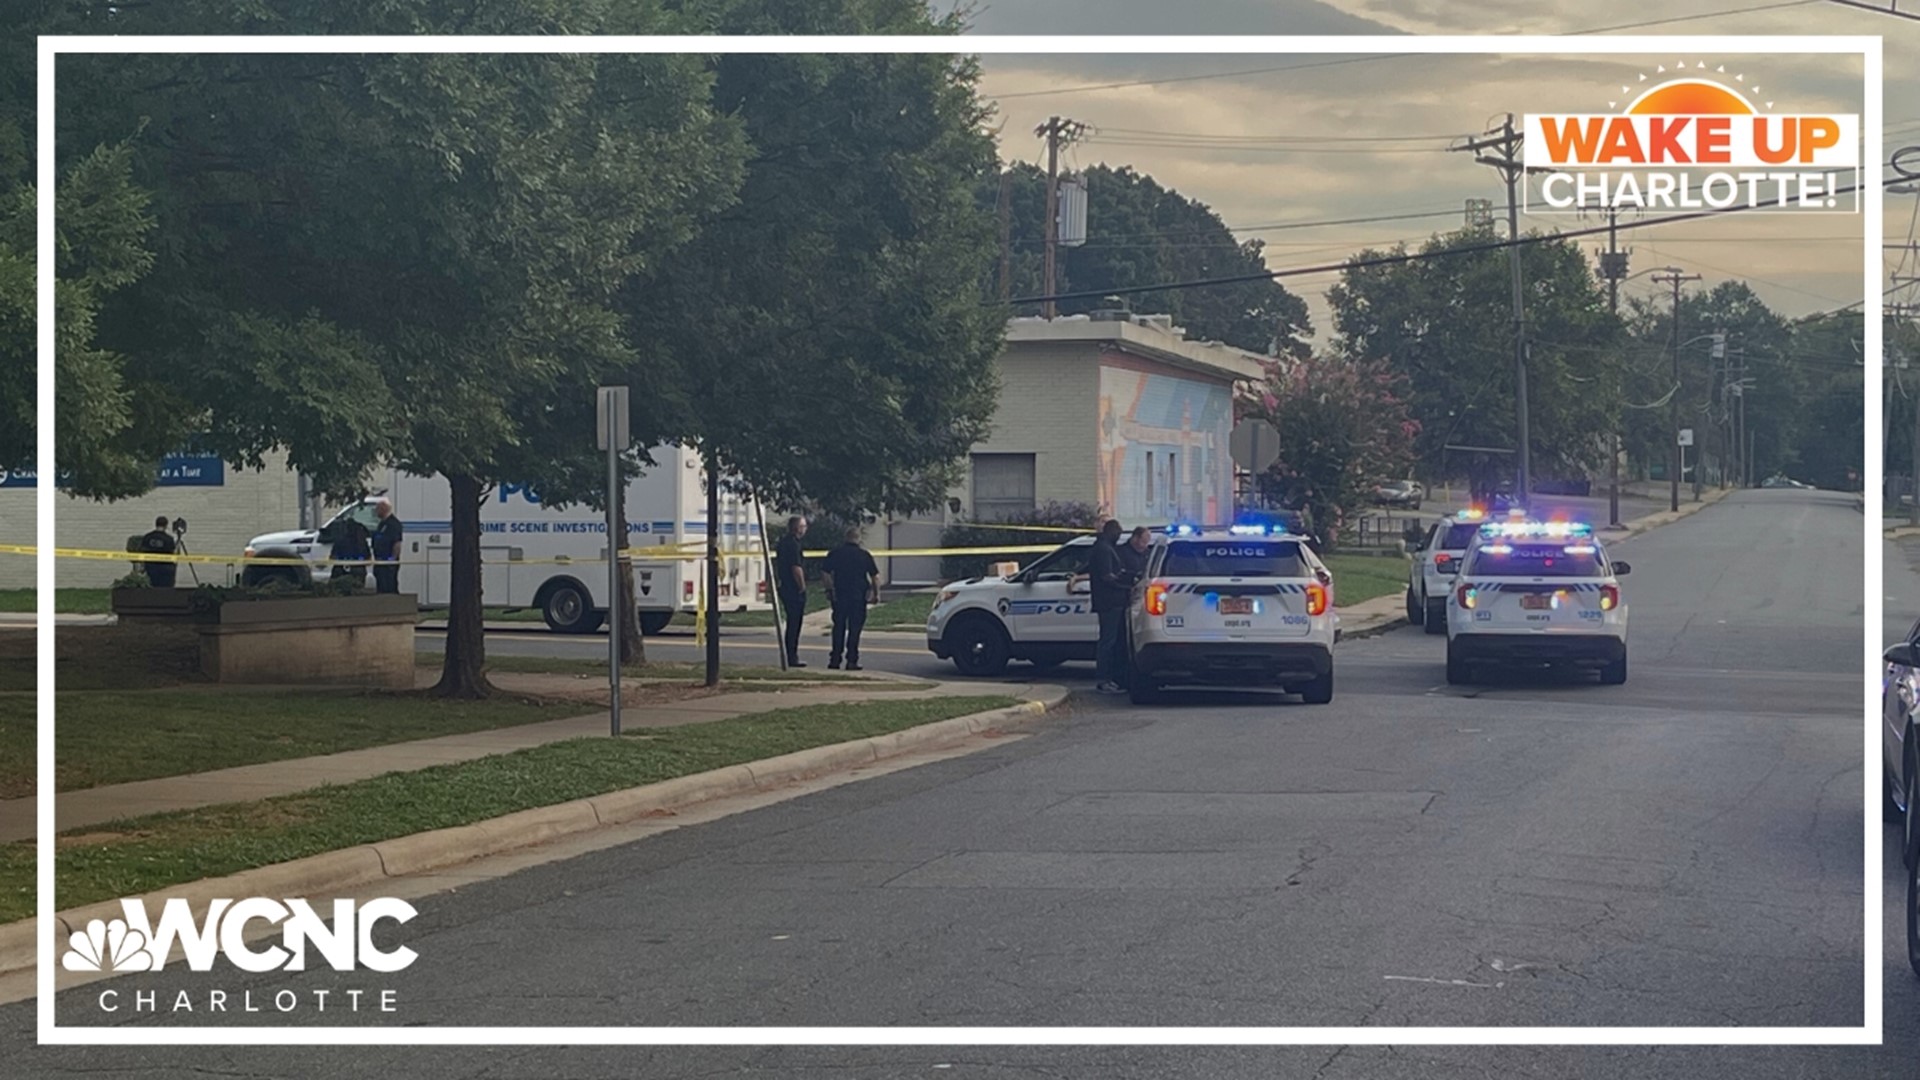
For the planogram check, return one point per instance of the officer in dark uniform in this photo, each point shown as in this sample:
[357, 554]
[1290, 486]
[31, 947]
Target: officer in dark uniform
[790, 572]
[386, 548]
[352, 548]
[853, 582]
[159, 542]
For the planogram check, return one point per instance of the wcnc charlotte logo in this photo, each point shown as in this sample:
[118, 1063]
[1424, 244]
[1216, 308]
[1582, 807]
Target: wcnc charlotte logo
[133, 944]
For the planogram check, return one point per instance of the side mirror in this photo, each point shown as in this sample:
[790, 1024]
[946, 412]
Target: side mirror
[1901, 654]
[1621, 569]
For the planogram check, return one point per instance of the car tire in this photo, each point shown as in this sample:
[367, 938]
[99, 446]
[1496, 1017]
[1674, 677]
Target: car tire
[1143, 691]
[1457, 672]
[1615, 674]
[1436, 620]
[1909, 835]
[1890, 812]
[568, 609]
[1416, 611]
[1319, 691]
[1913, 919]
[653, 622]
[979, 646]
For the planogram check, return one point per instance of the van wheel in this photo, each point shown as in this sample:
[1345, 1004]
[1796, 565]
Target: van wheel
[1436, 620]
[1416, 611]
[979, 646]
[652, 622]
[1319, 691]
[567, 610]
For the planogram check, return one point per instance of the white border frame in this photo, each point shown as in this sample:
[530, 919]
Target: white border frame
[1866, 47]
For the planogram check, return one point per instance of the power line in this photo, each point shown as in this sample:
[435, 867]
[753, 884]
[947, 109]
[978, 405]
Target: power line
[1891, 9]
[1395, 260]
[1104, 130]
[1090, 87]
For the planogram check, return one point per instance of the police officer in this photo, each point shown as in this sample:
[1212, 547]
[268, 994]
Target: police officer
[352, 547]
[159, 542]
[853, 582]
[790, 575]
[386, 548]
[1112, 586]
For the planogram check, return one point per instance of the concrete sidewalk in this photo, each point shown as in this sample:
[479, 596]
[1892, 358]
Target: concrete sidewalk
[92, 806]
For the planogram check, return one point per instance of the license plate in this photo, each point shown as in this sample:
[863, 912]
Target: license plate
[1236, 605]
[1536, 602]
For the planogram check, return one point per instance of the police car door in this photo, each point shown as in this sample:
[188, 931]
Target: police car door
[1049, 605]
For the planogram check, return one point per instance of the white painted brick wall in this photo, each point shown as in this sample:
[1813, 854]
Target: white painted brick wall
[220, 521]
[1050, 407]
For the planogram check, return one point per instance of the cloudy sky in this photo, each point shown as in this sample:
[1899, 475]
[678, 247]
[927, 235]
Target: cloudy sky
[1276, 142]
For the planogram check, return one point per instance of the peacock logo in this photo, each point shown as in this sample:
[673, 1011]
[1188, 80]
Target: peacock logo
[109, 946]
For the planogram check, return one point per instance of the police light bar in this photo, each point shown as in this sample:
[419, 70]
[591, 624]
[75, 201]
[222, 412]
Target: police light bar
[1247, 530]
[1535, 529]
[1471, 513]
[1180, 530]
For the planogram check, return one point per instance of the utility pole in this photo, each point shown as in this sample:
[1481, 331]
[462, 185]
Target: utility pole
[1715, 360]
[1506, 140]
[1058, 133]
[1006, 235]
[1613, 267]
[1676, 279]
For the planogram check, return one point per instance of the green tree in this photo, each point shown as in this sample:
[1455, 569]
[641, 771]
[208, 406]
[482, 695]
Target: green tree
[1344, 425]
[1139, 233]
[1445, 322]
[407, 259]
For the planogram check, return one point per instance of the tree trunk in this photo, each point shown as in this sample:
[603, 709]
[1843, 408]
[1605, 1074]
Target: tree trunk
[713, 570]
[632, 649]
[462, 675]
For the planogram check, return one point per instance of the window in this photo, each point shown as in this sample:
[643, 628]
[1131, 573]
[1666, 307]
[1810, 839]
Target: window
[1459, 536]
[1173, 481]
[1149, 478]
[1002, 486]
[1538, 560]
[1063, 564]
[1234, 558]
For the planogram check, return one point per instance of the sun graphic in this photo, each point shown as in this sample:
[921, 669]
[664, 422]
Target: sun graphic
[1683, 94]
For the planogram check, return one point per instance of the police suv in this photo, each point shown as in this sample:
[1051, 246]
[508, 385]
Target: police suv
[1537, 592]
[1242, 606]
[1435, 566]
[1043, 615]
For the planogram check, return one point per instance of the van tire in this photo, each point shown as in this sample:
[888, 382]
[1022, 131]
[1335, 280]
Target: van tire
[568, 608]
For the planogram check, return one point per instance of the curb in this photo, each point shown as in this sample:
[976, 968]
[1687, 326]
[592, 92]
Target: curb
[364, 864]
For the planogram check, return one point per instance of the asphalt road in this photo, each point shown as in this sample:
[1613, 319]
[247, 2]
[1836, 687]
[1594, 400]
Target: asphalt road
[1681, 850]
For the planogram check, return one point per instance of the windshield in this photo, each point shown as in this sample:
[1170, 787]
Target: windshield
[1234, 558]
[1459, 535]
[1538, 560]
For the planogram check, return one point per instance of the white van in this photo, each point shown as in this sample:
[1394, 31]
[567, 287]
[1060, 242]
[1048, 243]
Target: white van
[555, 561]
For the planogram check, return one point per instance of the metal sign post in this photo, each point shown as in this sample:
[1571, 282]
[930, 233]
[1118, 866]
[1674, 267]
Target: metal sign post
[613, 435]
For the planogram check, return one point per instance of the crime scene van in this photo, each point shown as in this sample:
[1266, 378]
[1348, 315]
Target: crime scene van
[554, 561]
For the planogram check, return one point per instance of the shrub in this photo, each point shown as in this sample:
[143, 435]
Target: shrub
[1079, 517]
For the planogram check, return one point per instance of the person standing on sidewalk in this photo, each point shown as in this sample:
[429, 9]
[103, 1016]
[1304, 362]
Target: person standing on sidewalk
[1111, 584]
[853, 582]
[386, 548]
[790, 572]
[160, 573]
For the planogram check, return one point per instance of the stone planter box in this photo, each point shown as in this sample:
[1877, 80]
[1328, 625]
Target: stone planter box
[331, 640]
[153, 605]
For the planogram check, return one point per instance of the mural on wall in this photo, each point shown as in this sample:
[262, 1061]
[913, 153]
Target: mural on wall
[1163, 446]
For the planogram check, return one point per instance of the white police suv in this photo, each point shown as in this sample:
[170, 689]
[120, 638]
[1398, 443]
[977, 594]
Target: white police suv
[1043, 615]
[1241, 606]
[1435, 566]
[1533, 593]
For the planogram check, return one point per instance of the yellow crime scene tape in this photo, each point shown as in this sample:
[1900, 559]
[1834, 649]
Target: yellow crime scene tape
[661, 554]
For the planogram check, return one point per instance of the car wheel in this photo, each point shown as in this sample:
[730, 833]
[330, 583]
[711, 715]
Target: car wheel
[653, 622]
[979, 646]
[1457, 673]
[1319, 691]
[1415, 609]
[567, 610]
[1913, 918]
[1143, 691]
[1909, 841]
[1436, 621]
[1614, 674]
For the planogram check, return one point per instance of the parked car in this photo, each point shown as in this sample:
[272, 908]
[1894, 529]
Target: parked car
[1900, 769]
[1404, 493]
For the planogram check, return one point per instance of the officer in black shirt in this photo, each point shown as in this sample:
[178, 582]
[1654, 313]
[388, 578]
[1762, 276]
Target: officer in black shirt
[386, 548]
[159, 542]
[853, 582]
[790, 577]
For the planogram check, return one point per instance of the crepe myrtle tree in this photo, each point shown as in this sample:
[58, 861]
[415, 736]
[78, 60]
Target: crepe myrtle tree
[1343, 423]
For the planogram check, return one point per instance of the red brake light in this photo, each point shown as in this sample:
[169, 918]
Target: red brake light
[1609, 597]
[1317, 598]
[1443, 557]
[1157, 598]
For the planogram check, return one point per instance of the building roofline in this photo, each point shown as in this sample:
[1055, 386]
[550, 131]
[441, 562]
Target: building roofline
[1162, 343]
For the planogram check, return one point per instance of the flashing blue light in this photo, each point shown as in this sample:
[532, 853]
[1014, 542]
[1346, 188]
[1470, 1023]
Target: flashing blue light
[1180, 530]
[1534, 529]
[1248, 530]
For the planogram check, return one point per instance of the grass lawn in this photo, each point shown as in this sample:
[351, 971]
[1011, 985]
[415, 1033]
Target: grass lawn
[131, 857]
[112, 737]
[658, 669]
[1358, 578]
[65, 601]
